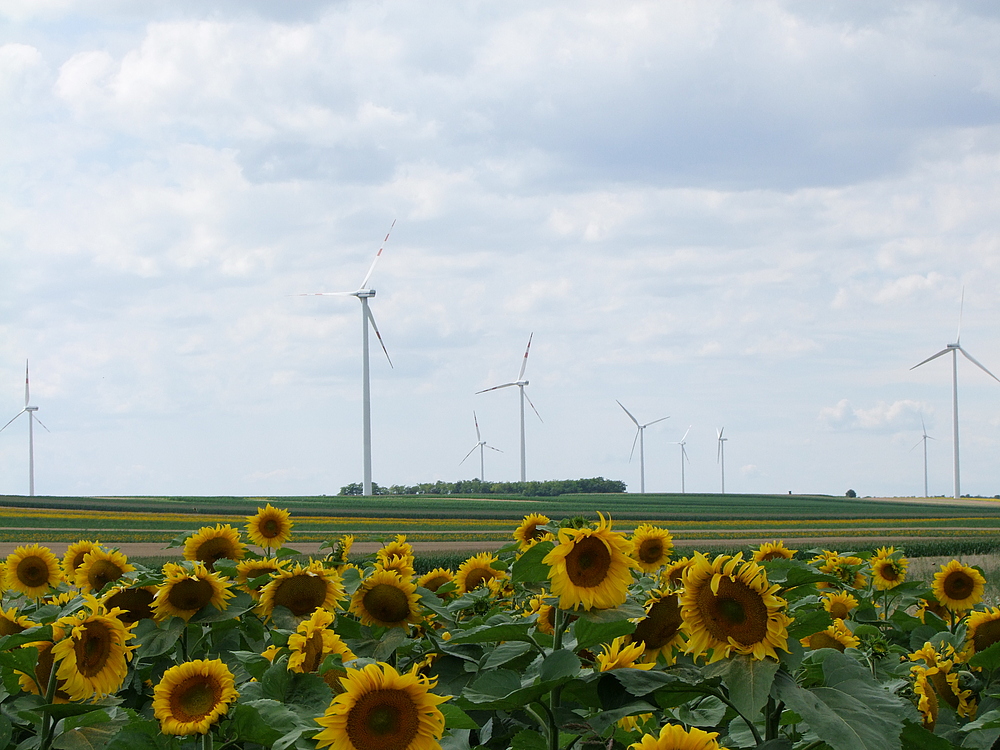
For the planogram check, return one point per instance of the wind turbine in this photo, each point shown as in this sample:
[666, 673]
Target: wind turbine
[481, 445]
[684, 456]
[364, 293]
[954, 349]
[720, 457]
[32, 418]
[640, 430]
[924, 440]
[520, 383]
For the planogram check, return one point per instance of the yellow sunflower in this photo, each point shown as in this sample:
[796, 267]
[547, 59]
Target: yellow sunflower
[399, 547]
[945, 687]
[728, 607]
[74, 557]
[846, 568]
[209, 544]
[94, 652]
[651, 547]
[836, 636]
[982, 630]
[401, 565]
[591, 568]
[435, 579]
[529, 530]
[888, 568]
[660, 631]
[133, 603]
[192, 696]
[185, 590]
[933, 606]
[37, 682]
[313, 641]
[775, 550]
[11, 622]
[619, 654]
[927, 702]
[249, 570]
[270, 528]
[338, 555]
[100, 567]
[672, 576]
[33, 570]
[385, 598]
[303, 589]
[477, 571]
[676, 737]
[381, 709]
[839, 604]
[958, 586]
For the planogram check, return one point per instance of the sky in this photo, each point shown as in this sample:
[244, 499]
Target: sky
[750, 216]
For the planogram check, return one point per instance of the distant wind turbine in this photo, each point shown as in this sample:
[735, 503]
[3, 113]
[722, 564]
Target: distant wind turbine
[640, 430]
[721, 457]
[482, 446]
[954, 349]
[520, 383]
[684, 456]
[32, 418]
[924, 440]
[364, 293]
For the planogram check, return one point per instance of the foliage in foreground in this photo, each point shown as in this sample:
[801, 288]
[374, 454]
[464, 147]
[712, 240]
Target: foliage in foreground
[572, 636]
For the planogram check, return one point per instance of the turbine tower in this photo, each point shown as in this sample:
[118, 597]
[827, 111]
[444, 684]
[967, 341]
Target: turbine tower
[954, 349]
[482, 446]
[924, 440]
[640, 430]
[721, 457]
[684, 456]
[32, 418]
[364, 293]
[520, 383]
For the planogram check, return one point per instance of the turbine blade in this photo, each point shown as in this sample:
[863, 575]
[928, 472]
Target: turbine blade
[940, 353]
[978, 364]
[686, 433]
[25, 382]
[364, 284]
[494, 449]
[371, 319]
[524, 362]
[40, 422]
[323, 294]
[532, 406]
[496, 387]
[469, 454]
[634, 441]
[476, 420]
[684, 453]
[12, 420]
[628, 412]
[655, 421]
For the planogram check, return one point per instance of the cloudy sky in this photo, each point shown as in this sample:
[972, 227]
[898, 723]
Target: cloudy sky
[751, 215]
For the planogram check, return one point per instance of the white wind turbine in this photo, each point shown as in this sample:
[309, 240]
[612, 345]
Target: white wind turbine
[954, 349]
[32, 418]
[640, 430]
[721, 457]
[520, 383]
[924, 440]
[364, 293]
[482, 446]
[684, 456]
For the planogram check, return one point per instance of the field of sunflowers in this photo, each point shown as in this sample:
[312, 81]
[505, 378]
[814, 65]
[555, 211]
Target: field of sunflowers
[573, 635]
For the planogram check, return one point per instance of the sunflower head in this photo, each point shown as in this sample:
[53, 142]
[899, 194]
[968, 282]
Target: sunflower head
[193, 696]
[248, 573]
[11, 622]
[209, 544]
[676, 737]
[303, 589]
[661, 630]
[435, 579]
[845, 567]
[398, 547]
[131, 603]
[839, 604]
[835, 636]
[888, 568]
[270, 528]
[958, 587]
[672, 576]
[477, 571]
[187, 588]
[387, 599]
[775, 550]
[32, 570]
[651, 547]
[340, 550]
[93, 655]
[529, 531]
[100, 567]
[313, 641]
[74, 555]
[620, 654]
[982, 630]
[591, 568]
[403, 566]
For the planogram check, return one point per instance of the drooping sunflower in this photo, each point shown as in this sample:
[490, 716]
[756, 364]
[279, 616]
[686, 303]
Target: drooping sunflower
[381, 709]
[270, 528]
[651, 547]
[385, 598]
[11, 622]
[99, 567]
[888, 568]
[209, 544]
[661, 630]
[303, 589]
[944, 683]
[676, 737]
[836, 636]
[775, 550]
[619, 654]
[340, 551]
[529, 531]
[133, 603]
[845, 567]
[927, 702]
[958, 586]
[477, 571]
[982, 630]
[188, 588]
[192, 696]
[546, 620]
[435, 579]
[74, 555]
[591, 567]
[93, 655]
[728, 607]
[248, 571]
[33, 570]
[401, 565]
[839, 604]
[313, 641]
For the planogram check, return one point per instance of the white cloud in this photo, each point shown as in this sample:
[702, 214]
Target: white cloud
[899, 415]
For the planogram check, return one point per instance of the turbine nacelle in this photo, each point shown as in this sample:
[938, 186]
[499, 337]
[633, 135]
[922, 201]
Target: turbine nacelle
[366, 293]
[31, 408]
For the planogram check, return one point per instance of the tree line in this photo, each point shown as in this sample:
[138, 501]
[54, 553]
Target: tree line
[548, 488]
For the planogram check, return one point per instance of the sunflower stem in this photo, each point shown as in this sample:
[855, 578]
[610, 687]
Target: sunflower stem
[206, 740]
[48, 722]
[773, 721]
[753, 729]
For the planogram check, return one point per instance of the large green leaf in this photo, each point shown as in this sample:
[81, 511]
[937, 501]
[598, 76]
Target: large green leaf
[156, 640]
[89, 732]
[988, 658]
[494, 633]
[809, 622]
[748, 681]
[558, 665]
[456, 718]
[529, 568]
[589, 633]
[504, 653]
[915, 737]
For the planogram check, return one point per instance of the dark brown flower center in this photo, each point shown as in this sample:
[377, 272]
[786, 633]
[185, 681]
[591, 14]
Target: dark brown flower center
[190, 595]
[103, 572]
[588, 563]
[32, 571]
[661, 623]
[195, 698]
[93, 649]
[651, 551]
[383, 720]
[736, 612]
[302, 594]
[958, 585]
[986, 635]
[137, 603]
[387, 603]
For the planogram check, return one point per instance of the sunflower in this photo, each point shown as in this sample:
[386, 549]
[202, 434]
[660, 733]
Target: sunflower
[93, 655]
[133, 603]
[401, 565]
[591, 567]
[100, 567]
[835, 636]
[11, 622]
[32, 570]
[270, 528]
[381, 709]
[188, 588]
[619, 654]
[209, 544]
[660, 631]
[672, 576]
[927, 702]
[729, 607]
[313, 641]
[476, 571]
[945, 687]
[396, 548]
[192, 696]
[74, 555]
[933, 606]
[340, 550]
[249, 570]
[37, 681]
[958, 586]
[775, 550]
[888, 568]
[387, 599]
[435, 579]
[839, 604]
[982, 630]
[529, 532]
[676, 737]
[302, 589]
[846, 568]
[651, 547]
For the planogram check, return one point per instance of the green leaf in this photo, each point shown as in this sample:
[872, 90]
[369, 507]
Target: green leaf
[560, 664]
[138, 735]
[504, 653]
[156, 640]
[605, 719]
[393, 639]
[915, 737]
[496, 684]
[589, 633]
[493, 633]
[238, 605]
[707, 712]
[263, 721]
[95, 731]
[748, 680]
[988, 658]
[6, 731]
[529, 568]
[624, 612]
[62, 710]
[456, 718]
[23, 660]
[16, 640]
[528, 740]
[809, 622]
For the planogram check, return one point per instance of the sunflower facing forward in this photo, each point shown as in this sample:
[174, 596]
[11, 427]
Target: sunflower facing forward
[209, 544]
[270, 528]
[728, 607]
[381, 709]
[193, 696]
[958, 587]
[982, 630]
[99, 567]
[775, 550]
[651, 547]
[187, 588]
[93, 653]
[477, 571]
[74, 555]
[676, 737]
[33, 570]
[888, 568]
[529, 532]
[303, 590]
[591, 567]
[385, 598]
[660, 631]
